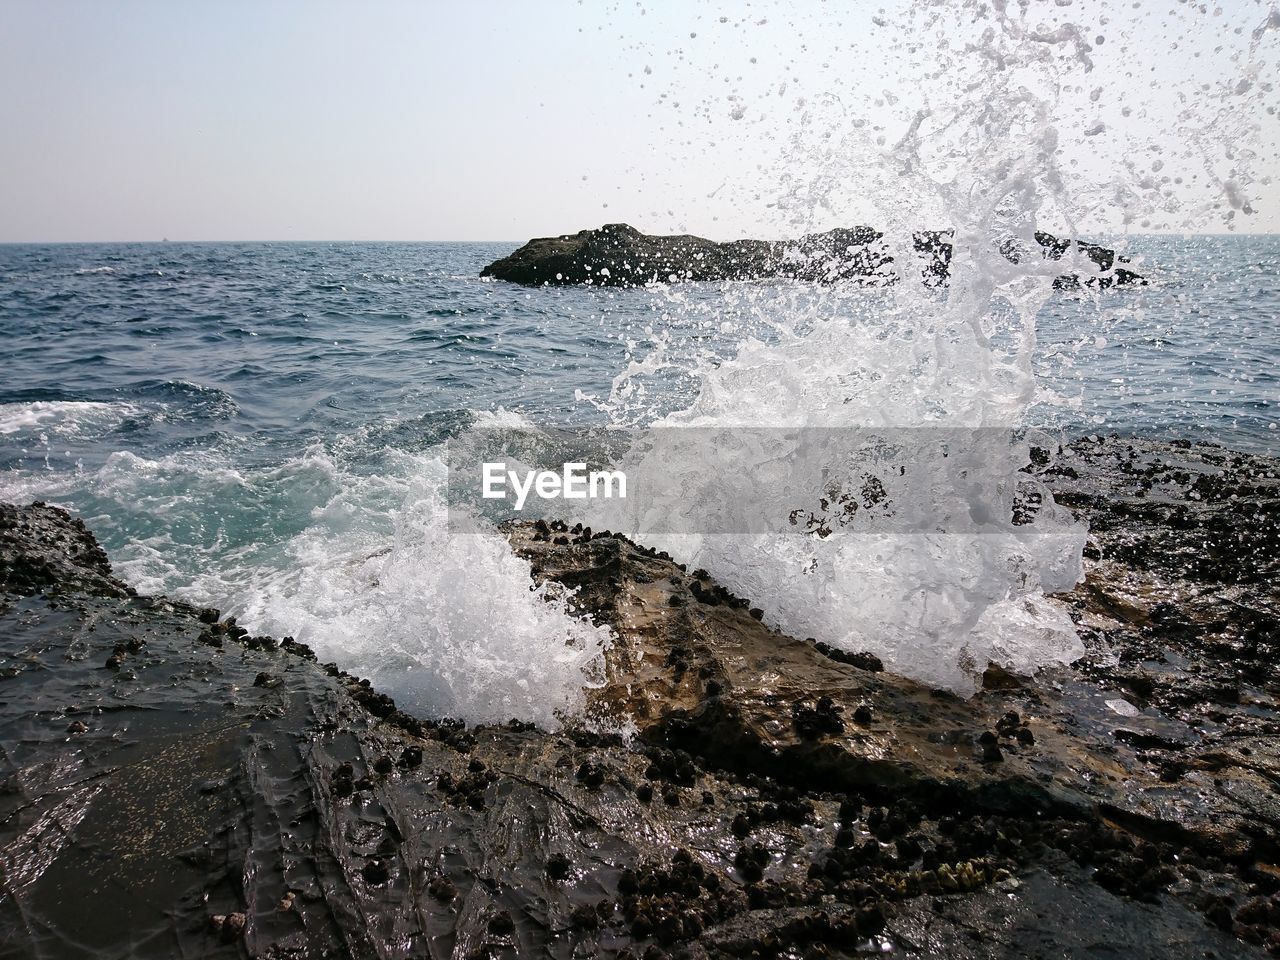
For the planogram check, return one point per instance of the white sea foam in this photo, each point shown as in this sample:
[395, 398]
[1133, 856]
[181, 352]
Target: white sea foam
[363, 567]
[450, 624]
[62, 417]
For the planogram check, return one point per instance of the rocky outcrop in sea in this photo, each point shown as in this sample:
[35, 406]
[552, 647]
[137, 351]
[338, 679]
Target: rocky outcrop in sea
[173, 785]
[619, 255]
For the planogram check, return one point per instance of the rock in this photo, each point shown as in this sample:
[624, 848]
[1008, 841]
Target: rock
[557, 866]
[44, 547]
[442, 889]
[410, 758]
[501, 924]
[591, 775]
[1105, 260]
[796, 829]
[619, 255]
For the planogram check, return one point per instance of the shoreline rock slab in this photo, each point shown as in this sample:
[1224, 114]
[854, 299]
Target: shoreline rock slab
[619, 255]
[214, 793]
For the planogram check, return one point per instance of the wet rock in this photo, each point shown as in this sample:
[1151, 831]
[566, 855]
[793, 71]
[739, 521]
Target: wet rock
[501, 924]
[862, 660]
[45, 548]
[229, 927]
[410, 758]
[557, 866]
[442, 889]
[813, 722]
[375, 872]
[809, 844]
[591, 775]
[342, 781]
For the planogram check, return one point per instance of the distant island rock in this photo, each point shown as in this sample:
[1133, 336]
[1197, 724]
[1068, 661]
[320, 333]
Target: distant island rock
[619, 255]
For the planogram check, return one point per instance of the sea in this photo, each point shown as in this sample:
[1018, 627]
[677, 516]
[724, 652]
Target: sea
[259, 426]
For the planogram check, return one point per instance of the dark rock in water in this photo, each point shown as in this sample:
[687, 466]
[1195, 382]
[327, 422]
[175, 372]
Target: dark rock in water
[619, 255]
[1107, 262]
[189, 814]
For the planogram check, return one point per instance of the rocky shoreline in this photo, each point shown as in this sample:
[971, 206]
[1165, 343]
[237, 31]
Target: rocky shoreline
[619, 255]
[173, 785]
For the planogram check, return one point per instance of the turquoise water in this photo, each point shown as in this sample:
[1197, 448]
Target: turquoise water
[248, 424]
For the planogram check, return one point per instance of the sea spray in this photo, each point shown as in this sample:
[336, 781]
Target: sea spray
[364, 566]
[982, 155]
[448, 624]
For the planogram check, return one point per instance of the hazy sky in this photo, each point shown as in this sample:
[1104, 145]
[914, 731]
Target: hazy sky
[502, 120]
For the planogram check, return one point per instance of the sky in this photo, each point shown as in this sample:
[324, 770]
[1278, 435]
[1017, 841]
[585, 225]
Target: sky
[237, 120]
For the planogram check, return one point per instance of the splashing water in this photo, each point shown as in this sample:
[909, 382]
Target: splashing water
[368, 571]
[997, 90]
[447, 622]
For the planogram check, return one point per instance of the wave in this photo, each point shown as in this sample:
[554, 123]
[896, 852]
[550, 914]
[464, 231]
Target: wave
[63, 418]
[362, 564]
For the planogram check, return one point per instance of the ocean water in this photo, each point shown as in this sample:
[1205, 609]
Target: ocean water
[260, 426]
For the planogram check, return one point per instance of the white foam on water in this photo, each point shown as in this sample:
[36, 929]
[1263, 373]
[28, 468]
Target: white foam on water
[448, 623]
[68, 418]
[363, 567]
